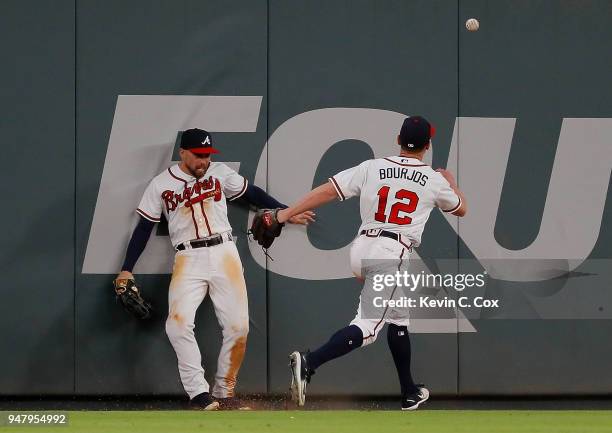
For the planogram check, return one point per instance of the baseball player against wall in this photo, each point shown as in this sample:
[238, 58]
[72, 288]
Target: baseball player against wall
[397, 195]
[192, 197]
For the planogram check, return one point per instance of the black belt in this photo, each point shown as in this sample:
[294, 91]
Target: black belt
[383, 233]
[374, 233]
[200, 243]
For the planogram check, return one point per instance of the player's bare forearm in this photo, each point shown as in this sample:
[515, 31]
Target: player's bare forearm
[462, 210]
[316, 198]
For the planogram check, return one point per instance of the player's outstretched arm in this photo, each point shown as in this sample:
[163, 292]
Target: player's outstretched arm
[316, 198]
[137, 244]
[461, 210]
[260, 199]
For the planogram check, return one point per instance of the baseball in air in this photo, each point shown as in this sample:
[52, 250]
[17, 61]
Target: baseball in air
[472, 24]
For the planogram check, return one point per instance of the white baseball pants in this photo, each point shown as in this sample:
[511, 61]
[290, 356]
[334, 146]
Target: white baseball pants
[377, 249]
[217, 271]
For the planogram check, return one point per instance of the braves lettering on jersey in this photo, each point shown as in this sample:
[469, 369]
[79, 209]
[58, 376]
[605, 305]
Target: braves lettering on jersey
[396, 194]
[194, 208]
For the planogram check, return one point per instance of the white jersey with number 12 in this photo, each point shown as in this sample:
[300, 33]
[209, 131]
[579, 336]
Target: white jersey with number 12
[397, 194]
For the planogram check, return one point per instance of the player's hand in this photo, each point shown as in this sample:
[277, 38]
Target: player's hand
[447, 175]
[281, 216]
[125, 275]
[303, 218]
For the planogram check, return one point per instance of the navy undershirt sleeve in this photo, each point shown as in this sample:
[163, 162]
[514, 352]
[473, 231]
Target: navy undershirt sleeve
[137, 244]
[257, 197]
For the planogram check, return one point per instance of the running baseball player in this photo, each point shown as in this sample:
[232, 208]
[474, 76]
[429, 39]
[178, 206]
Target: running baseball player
[397, 195]
[192, 197]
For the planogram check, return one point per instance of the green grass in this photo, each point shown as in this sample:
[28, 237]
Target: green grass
[427, 421]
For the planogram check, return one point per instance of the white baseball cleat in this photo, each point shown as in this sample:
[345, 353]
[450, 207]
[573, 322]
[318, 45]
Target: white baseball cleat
[300, 376]
[412, 401]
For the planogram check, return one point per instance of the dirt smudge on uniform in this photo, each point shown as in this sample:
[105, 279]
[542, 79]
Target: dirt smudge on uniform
[233, 270]
[207, 210]
[174, 314]
[178, 270]
[206, 205]
[236, 357]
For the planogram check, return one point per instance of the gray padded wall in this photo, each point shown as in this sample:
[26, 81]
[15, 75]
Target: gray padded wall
[37, 124]
[541, 62]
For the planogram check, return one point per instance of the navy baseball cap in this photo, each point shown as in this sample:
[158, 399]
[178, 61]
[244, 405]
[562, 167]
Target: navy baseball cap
[197, 141]
[416, 132]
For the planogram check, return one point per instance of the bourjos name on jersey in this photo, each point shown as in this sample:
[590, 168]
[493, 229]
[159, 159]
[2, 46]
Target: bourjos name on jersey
[403, 173]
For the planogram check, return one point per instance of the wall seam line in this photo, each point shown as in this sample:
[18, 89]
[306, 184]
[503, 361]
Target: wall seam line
[74, 251]
[268, 379]
[458, 390]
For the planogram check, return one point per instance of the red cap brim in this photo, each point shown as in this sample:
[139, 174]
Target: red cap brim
[432, 130]
[203, 150]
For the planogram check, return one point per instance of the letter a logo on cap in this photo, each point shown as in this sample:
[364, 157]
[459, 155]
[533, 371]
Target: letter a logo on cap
[207, 141]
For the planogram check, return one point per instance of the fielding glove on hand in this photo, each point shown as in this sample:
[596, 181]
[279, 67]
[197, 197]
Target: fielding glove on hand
[265, 227]
[130, 298]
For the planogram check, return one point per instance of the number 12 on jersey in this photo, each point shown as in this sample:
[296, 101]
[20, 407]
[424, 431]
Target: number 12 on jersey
[407, 206]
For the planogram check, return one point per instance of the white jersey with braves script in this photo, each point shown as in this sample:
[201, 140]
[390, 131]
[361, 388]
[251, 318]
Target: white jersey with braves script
[396, 194]
[194, 208]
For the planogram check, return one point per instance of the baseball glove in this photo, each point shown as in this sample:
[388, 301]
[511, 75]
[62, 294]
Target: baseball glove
[129, 295]
[265, 227]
